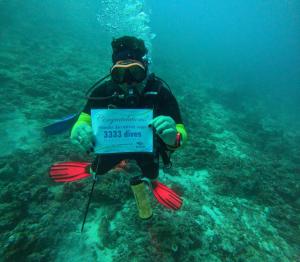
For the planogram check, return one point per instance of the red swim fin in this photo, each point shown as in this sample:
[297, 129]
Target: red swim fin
[69, 171]
[166, 196]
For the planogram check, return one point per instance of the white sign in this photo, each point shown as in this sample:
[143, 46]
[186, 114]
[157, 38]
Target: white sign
[122, 130]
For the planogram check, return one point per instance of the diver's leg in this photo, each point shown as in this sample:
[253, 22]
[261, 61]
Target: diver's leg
[104, 163]
[149, 165]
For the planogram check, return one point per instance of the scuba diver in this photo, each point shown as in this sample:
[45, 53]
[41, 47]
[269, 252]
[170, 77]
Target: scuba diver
[130, 86]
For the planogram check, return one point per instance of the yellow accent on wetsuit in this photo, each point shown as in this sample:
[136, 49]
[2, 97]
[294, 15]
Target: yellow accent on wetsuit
[84, 118]
[181, 129]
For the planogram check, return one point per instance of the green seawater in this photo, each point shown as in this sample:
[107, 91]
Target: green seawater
[234, 67]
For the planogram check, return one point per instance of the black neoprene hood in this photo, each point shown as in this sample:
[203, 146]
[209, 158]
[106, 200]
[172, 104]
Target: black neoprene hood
[128, 47]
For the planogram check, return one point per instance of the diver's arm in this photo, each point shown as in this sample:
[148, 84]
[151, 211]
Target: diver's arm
[85, 115]
[169, 107]
[82, 133]
[83, 119]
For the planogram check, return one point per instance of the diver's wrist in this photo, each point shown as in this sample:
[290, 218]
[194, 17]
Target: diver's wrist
[177, 142]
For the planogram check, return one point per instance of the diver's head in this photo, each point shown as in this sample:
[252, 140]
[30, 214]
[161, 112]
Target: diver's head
[130, 64]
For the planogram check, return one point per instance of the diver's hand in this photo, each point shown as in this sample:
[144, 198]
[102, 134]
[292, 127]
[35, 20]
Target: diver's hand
[165, 128]
[82, 136]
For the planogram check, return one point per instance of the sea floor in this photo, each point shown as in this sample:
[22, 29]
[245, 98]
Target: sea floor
[238, 173]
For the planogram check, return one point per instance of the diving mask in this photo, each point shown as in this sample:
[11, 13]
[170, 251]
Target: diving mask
[128, 71]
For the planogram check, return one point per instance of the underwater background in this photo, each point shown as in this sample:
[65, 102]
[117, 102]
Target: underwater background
[234, 67]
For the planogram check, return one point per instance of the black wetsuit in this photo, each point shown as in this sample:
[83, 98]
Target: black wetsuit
[155, 95]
